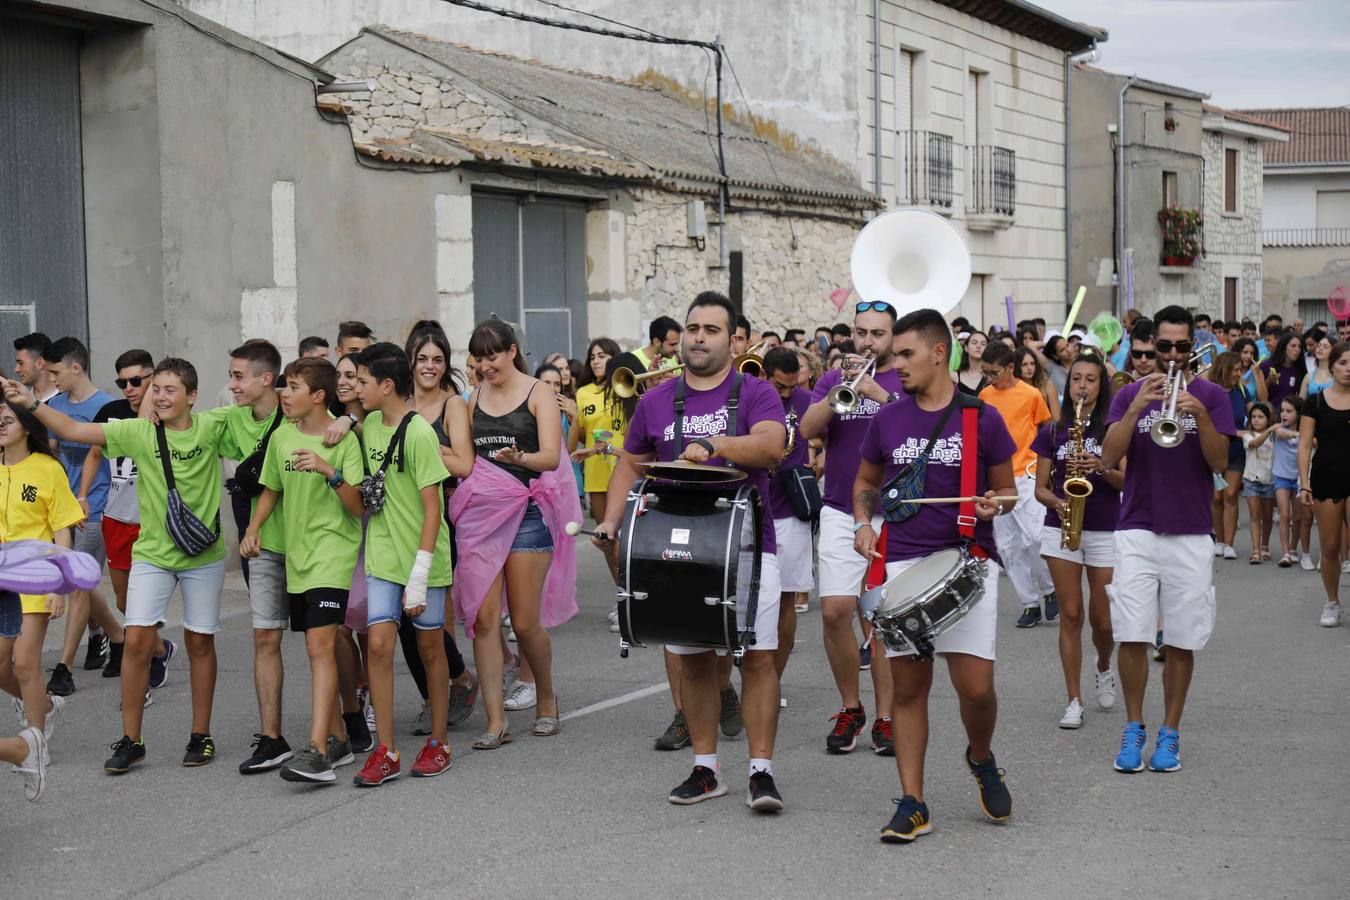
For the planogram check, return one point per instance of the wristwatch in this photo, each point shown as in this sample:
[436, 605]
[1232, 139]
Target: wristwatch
[893, 396]
[706, 445]
[37, 401]
[335, 479]
[352, 416]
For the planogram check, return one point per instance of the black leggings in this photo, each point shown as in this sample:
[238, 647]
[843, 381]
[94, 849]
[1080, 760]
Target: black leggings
[407, 638]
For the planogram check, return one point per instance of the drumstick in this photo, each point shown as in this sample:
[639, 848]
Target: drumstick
[574, 529]
[927, 500]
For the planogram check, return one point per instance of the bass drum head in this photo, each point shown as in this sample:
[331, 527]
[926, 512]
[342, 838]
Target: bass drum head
[919, 579]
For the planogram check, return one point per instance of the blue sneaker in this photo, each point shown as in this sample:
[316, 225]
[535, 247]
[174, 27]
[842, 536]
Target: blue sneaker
[1131, 756]
[159, 665]
[1167, 752]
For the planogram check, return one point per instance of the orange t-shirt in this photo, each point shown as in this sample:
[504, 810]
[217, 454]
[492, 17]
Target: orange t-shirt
[1024, 411]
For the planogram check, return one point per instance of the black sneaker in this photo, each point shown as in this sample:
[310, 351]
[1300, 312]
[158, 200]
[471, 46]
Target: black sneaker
[114, 667]
[702, 784]
[1051, 607]
[62, 683]
[762, 795]
[339, 753]
[676, 736]
[731, 712]
[97, 653]
[159, 665]
[268, 753]
[883, 737]
[200, 750]
[847, 724]
[1030, 618]
[909, 822]
[865, 656]
[358, 732]
[1159, 648]
[125, 754]
[462, 700]
[310, 764]
[995, 800]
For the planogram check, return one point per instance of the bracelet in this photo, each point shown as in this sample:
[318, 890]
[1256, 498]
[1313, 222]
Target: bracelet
[335, 479]
[1305, 490]
[706, 445]
[859, 526]
[37, 401]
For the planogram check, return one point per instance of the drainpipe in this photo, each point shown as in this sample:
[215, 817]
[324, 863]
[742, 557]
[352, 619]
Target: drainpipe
[876, 98]
[1122, 220]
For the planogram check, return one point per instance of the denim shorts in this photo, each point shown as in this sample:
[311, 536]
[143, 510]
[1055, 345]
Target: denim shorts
[533, 535]
[1257, 489]
[384, 603]
[1286, 484]
[149, 588]
[11, 615]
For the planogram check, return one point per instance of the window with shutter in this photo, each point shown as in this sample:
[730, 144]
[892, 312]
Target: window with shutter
[1231, 161]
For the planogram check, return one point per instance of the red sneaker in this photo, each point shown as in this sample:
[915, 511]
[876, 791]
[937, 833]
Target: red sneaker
[379, 768]
[433, 760]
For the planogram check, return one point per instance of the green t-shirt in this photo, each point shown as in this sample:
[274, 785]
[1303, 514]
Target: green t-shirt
[325, 536]
[394, 533]
[195, 457]
[243, 436]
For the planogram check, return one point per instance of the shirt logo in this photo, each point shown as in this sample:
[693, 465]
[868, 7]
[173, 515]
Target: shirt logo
[1146, 422]
[946, 450]
[28, 494]
[707, 425]
[867, 408]
[180, 456]
[1090, 444]
[589, 409]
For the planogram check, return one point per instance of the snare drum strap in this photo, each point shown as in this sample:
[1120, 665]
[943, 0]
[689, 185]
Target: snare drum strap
[970, 426]
[733, 402]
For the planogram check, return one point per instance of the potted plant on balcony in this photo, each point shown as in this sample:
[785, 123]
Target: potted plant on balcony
[1169, 124]
[1180, 234]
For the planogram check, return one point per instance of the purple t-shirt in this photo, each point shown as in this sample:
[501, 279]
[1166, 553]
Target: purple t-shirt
[897, 435]
[1103, 504]
[843, 435]
[1170, 491]
[652, 429]
[779, 505]
[1287, 381]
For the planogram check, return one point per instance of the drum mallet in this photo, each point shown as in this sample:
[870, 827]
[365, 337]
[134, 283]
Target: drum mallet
[574, 529]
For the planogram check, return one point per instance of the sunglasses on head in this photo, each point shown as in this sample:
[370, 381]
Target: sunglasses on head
[134, 381]
[877, 305]
[1144, 354]
[1169, 346]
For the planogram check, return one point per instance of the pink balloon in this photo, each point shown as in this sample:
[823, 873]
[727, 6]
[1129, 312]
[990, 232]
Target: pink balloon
[839, 296]
[1338, 302]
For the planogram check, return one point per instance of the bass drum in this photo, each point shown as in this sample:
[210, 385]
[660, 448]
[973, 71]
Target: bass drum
[679, 564]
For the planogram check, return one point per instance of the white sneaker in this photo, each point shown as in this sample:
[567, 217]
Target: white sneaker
[20, 713]
[370, 718]
[522, 696]
[1345, 567]
[1106, 689]
[1218, 548]
[58, 707]
[509, 672]
[1073, 715]
[614, 616]
[1229, 552]
[1305, 562]
[34, 768]
[1331, 616]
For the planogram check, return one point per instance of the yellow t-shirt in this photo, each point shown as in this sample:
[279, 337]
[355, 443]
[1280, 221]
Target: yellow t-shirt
[35, 503]
[596, 415]
[1024, 411]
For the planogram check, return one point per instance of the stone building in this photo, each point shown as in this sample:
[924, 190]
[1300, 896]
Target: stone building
[1306, 211]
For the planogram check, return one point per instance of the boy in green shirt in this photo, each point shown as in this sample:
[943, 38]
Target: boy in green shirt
[407, 555]
[321, 519]
[158, 565]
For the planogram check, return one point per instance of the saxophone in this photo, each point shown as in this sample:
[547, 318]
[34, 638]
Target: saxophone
[1076, 487]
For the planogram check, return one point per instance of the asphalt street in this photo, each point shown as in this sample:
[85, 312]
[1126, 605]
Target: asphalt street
[1259, 809]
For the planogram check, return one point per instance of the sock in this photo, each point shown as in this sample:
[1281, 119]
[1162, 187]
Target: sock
[708, 761]
[761, 765]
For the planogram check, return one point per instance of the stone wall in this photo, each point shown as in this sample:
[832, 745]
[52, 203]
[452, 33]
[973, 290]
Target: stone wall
[1232, 241]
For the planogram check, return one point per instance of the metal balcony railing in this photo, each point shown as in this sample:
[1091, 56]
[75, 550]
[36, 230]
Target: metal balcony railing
[925, 169]
[991, 180]
[1306, 237]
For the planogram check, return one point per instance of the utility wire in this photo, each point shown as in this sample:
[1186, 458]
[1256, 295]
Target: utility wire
[649, 37]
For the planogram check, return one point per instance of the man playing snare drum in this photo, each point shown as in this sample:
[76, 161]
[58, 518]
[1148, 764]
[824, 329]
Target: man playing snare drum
[897, 442]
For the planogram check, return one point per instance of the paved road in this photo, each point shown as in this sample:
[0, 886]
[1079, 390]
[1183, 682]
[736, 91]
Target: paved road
[1259, 810]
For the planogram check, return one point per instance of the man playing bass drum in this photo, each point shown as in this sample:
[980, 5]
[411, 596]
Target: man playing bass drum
[706, 385]
[900, 435]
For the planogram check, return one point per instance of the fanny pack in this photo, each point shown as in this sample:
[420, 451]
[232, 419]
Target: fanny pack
[248, 475]
[187, 532]
[372, 486]
[908, 483]
[799, 485]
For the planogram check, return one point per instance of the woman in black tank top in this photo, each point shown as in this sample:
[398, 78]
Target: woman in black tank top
[515, 426]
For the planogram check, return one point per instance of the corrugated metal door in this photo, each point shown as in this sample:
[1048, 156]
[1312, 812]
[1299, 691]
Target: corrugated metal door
[42, 274]
[529, 267]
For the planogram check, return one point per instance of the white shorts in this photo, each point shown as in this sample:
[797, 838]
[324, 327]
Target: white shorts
[841, 568]
[267, 591]
[149, 588]
[1097, 549]
[794, 554]
[1167, 574]
[766, 614]
[973, 634]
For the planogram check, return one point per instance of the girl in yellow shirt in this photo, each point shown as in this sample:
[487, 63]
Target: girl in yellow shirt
[35, 503]
[603, 419]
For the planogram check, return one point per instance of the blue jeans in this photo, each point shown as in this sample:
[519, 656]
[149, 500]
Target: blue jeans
[11, 615]
[533, 535]
[384, 603]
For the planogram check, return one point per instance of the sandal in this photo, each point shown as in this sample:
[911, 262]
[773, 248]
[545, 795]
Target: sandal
[491, 740]
[1265, 554]
[1255, 558]
[548, 726]
[1286, 561]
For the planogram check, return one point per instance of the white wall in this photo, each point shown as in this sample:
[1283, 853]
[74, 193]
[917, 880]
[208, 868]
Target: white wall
[1290, 198]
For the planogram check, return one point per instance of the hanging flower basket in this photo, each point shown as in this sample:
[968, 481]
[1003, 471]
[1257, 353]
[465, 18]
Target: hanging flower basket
[1170, 124]
[1180, 235]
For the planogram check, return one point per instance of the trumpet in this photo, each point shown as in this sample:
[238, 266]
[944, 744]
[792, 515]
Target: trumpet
[843, 397]
[1076, 488]
[1167, 431]
[751, 362]
[626, 384]
[1120, 379]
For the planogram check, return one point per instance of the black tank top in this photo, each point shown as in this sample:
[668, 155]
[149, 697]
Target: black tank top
[518, 427]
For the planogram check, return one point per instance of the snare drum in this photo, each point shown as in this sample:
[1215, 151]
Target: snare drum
[913, 608]
[679, 564]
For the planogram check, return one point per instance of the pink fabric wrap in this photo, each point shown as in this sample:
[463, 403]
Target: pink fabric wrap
[487, 508]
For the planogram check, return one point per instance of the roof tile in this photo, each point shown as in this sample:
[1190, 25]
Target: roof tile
[1316, 135]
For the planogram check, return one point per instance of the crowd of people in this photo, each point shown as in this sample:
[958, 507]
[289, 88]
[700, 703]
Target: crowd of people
[385, 494]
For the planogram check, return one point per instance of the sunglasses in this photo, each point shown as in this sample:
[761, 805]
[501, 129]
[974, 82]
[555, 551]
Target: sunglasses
[877, 305]
[134, 381]
[1144, 354]
[1169, 346]
[992, 373]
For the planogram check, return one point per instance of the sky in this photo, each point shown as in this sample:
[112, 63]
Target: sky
[1245, 53]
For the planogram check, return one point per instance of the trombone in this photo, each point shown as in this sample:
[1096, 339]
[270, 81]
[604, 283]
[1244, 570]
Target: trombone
[626, 384]
[1167, 431]
[751, 362]
[843, 397]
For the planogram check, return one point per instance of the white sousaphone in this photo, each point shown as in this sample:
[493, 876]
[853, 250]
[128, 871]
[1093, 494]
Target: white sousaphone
[912, 259]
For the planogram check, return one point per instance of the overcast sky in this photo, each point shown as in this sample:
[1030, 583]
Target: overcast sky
[1244, 53]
